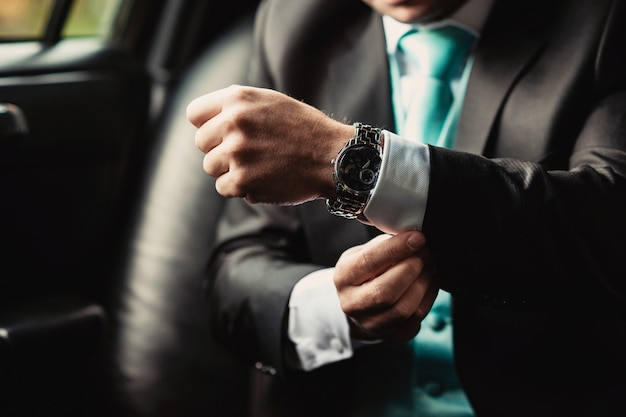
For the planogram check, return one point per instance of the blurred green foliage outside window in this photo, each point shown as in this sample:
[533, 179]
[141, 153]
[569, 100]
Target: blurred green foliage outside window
[27, 19]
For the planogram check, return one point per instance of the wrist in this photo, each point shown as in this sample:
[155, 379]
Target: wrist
[338, 140]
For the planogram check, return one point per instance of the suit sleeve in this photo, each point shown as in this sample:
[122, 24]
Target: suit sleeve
[514, 234]
[260, 253]
[260, 256]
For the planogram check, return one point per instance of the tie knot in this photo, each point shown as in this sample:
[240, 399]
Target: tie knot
[437, 52]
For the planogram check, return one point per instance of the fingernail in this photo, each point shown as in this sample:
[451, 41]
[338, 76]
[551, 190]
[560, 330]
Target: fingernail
[415, 241]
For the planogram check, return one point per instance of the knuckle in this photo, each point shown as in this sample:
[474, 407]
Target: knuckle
[366, 261]
[233, 148]
[394, 248]
[227, 185]
[420, 313]
[404, 311]
[348, 306]
[340, 278]
[381, 295]
[237, 181]
[348, 270]
[240, 94]
[233, 118]
[413, 266]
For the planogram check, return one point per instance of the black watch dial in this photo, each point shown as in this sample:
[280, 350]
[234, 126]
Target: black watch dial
[358, 167]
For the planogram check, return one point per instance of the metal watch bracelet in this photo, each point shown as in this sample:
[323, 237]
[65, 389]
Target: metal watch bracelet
[349, 203]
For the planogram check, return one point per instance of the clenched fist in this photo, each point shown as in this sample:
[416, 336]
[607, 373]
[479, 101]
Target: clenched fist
[265, 146]
[387, 286]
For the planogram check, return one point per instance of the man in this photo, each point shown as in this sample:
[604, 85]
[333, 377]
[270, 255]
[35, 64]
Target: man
[527, 238]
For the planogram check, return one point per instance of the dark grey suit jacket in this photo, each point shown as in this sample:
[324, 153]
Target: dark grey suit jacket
[526, 219]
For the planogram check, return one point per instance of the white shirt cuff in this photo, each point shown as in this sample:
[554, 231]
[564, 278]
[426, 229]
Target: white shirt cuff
[317, 325]
[399, 199]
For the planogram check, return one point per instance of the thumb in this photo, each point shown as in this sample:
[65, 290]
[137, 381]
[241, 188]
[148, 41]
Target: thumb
[415, 240]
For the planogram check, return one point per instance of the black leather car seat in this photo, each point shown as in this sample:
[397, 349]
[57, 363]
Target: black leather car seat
[162, 357]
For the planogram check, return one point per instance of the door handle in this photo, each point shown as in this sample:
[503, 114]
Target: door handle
[12, 121]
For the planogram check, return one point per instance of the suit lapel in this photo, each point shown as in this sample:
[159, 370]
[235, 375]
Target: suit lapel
[499, 63]
[359, 81]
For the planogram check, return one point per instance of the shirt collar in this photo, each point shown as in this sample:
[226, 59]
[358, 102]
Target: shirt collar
[470, 16]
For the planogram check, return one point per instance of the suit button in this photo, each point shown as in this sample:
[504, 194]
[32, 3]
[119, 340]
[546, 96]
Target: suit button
[265, 369]
[433, 388]
[438, 324]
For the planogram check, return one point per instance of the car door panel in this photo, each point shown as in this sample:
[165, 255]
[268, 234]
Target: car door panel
[60, 182]
[62, 185]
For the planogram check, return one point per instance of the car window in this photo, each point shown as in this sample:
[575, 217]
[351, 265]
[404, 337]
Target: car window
[22, 20]
[91, 18]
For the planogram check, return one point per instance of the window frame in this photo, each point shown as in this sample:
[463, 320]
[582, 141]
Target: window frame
[56, 21]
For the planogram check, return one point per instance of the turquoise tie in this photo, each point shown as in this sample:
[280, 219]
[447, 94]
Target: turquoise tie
[438, 55]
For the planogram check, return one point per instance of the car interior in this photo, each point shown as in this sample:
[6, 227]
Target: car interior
[107, 217]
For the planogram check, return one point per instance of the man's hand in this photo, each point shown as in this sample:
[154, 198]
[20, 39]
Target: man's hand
[265, 146]
[387, 286]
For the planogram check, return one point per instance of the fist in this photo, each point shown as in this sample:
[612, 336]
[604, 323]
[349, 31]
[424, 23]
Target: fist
[387, 286]
[266, 147]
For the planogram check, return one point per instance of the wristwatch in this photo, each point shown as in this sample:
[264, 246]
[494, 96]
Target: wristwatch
[356, 171]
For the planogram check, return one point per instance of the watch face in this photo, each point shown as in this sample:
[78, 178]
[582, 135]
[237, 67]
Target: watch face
[358, 167]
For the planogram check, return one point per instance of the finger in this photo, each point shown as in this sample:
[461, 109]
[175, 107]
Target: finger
[379, 238]
[373, 328]
[215, 163]
[416, 301]
[394, 282]
[355, 249]
[406, 328]
[384, 292]
[207, 106]
[227, 187]
[427, 301]
[402, 320]
[377, 256]
[211, 133]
